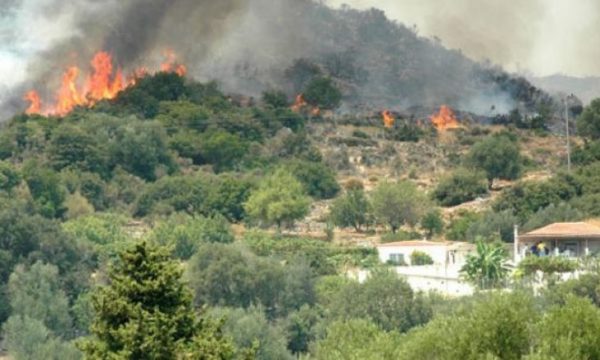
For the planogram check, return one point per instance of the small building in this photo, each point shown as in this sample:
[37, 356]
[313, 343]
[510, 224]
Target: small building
[442, 253]
[572, 239]
[442, 276]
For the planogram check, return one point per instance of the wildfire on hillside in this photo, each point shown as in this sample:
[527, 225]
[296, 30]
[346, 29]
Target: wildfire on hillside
[103, 83]
[445, 119]
[301, 105]
[388, 119]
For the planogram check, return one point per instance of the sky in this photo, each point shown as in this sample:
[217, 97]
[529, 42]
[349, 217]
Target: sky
[536, 37]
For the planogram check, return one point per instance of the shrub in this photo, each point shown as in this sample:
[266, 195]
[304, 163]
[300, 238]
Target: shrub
[461, 186]
[433, 223]
[547, 264]
[318, 180]
[418, 258]
[499, 156]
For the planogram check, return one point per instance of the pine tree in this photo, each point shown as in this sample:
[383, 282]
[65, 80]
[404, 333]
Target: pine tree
[146, 313]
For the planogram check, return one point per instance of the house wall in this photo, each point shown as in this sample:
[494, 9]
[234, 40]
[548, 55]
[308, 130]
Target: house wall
[437, 253]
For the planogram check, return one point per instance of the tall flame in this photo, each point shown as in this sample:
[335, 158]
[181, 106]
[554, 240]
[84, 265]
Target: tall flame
[388, 119]
[445, 119]
[35, 105]
[103, 83]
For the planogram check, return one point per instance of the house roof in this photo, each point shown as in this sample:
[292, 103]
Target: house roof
[414, 243]
[564, 231]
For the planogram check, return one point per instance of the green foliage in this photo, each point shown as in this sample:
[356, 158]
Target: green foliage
[546, 264]
[496, 327]
[562, 212]
[222, 150]
[275, 99]
[9, 176]
[145, 312]
[433, 223]
[525, 199]
[385, 299]
[588, 123]
[459, 226]
[226, 275]
[35, 293]
[184, 233]
[247, 327]
[177, 193]
[486, 268]
[418, 258]
[499, 156]
[492, 225]
[322, 93]
[569, 331]
[141, 148]
[323, 257]
[279, 199]
[318, 179]
[357, 339]
[47, 191]
[301, 72]
[105, 231]
[461, 186]
[183, 116]
[351, 209]
[72, 147]
[29, 339]
[302, 328]
[589, 153]
[398, 204]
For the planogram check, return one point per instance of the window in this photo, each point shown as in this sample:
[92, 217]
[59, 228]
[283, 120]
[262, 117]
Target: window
[397, 259]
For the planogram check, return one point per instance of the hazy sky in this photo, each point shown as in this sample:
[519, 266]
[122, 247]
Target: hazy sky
[543, 37]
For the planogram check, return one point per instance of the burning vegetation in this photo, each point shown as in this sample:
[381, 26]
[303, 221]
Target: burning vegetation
[445, 119]
[103, 83]
[388, 119]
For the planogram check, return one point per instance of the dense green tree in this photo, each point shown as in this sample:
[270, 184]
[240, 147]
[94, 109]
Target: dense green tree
[385, 299]
[184, 233]
[322, 93]
[461, 186]
[279, 200]
[486, 268]
[224, 151]
[35, 293]
[28, 339]
[351, 209]
[588, 123]
[357, 339]
[9, 176]
[432, 222]
[248, 327]
[569, 331]
[492, 225]
[302, 328]
[229, 196]
[72, 147]
[145, 312]
[141, 148]
[497, 326]
[183, 116]
[174, 193]
[301, 73]
[46, 189]
[227, 275]
[562, 212]
[318, 179]
[398, 204]
[499, 156]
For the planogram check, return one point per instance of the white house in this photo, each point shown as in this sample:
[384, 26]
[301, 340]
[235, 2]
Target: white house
[442, 276]
[442, 253]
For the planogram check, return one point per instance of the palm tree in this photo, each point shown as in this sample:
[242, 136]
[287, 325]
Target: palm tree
[487, 268]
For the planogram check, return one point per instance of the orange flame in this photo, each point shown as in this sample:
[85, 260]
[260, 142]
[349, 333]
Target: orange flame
[103, 83]
[388, 119]
[445, 119]
[299, 104]
[35, 105]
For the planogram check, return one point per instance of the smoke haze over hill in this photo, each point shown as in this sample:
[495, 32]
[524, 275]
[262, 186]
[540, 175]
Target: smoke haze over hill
[247, 45]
